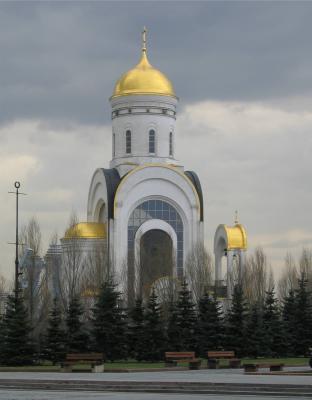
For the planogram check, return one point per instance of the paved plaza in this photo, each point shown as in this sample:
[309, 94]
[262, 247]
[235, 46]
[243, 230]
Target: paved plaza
[45, 395]
[228, 384]
[203, 375]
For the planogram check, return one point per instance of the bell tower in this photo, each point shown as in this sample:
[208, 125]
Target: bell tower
[143, 117]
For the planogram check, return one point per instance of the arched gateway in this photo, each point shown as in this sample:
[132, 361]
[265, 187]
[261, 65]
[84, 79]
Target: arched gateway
[230, 242]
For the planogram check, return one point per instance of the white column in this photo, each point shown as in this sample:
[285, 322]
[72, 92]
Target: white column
[229, 283]
[218, 267]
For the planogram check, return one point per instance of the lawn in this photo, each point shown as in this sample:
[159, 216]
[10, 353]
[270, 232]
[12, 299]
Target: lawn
[128, 365]
[291, 362]
[133, 365]
[31, 368]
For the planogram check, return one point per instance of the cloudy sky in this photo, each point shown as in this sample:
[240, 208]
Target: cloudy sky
[242, 71]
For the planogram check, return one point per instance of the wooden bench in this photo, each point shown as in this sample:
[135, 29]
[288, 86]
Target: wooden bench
[255, 367]
[94, 360]
[214, 358]
[173, 357]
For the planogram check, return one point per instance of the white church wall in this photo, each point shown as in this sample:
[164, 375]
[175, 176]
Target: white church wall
[146, 114]
[97, 197]
[155, 182]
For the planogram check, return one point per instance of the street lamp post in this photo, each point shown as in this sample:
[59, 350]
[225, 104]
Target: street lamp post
[17, 186]
[17, 193]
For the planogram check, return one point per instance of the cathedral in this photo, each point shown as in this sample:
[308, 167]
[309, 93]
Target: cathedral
[151, 206]
[145, 210]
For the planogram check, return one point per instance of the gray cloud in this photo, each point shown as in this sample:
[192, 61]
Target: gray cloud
[59, 60]
[249, 156]
[241, 69]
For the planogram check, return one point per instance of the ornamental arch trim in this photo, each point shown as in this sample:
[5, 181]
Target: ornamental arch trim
[152, 210]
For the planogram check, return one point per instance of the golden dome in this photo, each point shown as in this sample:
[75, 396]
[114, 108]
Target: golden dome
[143, 79]
[87, 230]
[89, 292]
[236, 237]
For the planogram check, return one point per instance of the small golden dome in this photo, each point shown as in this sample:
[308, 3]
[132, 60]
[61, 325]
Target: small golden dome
[90, 292]
[236, 237]
[86, 230]
[143, 79]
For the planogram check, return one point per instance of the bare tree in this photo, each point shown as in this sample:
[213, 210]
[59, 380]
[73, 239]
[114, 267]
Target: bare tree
[167, 290]
[198, 270]
[96, 270]
[289, 278]
[270, 279]
[257, 276]
[43, 303]
[234, 277]
[32, 267]
[34, 278]
[3, 284]
[130, 277]
[292, 272]
[73, 265]
[3, 294]
[122, 276]
[305, 265]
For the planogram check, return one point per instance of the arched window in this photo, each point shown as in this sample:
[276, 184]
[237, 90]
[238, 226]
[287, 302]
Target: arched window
[170, 144]
[151, 145]
[114, 144]
[128, 142]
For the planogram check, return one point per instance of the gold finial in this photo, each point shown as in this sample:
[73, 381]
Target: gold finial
[236, 217]
[144, 39]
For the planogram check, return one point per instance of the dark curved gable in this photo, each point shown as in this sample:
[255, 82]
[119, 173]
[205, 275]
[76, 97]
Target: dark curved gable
[196, 182]
[112, 179]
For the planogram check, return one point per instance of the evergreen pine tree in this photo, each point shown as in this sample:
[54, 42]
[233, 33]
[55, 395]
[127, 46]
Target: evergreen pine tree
[274, 337]
[173, 342]
[17, 346]
[236, 323]
[255, 344]
[186, 316]
[109, 328]
[2, 335]
[55, 342]
[289, 322]
[136, 330]
[209, 325]
[77, 340]
[303, 318]
[154, 339]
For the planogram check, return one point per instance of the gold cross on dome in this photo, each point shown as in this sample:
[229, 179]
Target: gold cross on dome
[144, 39]
[236, 217]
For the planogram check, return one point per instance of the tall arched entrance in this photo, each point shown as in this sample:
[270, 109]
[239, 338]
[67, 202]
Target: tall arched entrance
[156, 258]
[164, 218]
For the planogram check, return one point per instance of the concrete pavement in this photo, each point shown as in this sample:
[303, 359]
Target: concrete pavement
[45, 395]
[203, 375]
[223, 384]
